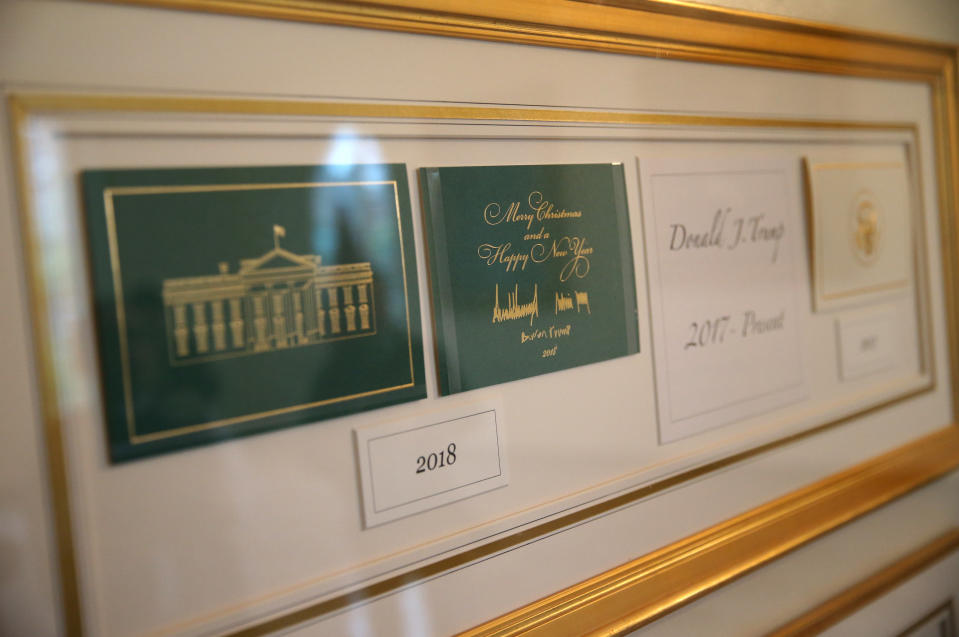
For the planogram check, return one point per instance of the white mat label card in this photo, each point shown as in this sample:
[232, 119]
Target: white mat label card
[722, 240]
[413, 465]
[868, 342]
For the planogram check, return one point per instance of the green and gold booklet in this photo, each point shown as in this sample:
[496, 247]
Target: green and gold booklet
[531, 270]
[231, 301]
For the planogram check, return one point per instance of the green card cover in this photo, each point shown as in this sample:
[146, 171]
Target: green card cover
[231, 301]
[531, 270]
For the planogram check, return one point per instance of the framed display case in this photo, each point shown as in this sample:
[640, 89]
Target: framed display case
[591, 308]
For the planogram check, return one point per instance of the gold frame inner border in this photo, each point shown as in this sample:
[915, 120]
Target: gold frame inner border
[22, 107]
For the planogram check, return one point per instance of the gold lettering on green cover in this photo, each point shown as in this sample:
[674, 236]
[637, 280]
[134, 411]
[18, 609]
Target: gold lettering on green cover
[544, 253]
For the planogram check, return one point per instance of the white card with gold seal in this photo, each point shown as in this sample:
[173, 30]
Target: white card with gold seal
[860, 226]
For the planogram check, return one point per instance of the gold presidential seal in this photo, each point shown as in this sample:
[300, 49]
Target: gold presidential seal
[866, 228]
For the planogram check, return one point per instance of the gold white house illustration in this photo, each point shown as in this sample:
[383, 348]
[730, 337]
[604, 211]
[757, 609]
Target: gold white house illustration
[278, 300]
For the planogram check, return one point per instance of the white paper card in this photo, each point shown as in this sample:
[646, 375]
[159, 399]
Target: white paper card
[413, 465]
[861, 229]
[722, 239]
[867, 342]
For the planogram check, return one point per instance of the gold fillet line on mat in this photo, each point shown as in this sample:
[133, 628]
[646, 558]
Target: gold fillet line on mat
[876, 56]
[61, 102]
[859, 595]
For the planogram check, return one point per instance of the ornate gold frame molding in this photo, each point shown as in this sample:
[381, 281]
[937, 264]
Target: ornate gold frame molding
[641, 591]
[653, 585]
[655, 28]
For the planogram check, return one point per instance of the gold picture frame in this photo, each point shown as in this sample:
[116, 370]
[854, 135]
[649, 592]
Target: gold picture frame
[645, 589]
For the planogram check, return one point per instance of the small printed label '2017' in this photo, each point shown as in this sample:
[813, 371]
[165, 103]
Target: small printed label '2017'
[709, 332]
[437, 460]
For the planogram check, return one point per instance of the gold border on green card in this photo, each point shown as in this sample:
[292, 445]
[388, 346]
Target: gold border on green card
[234, 341]
[110, 194]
